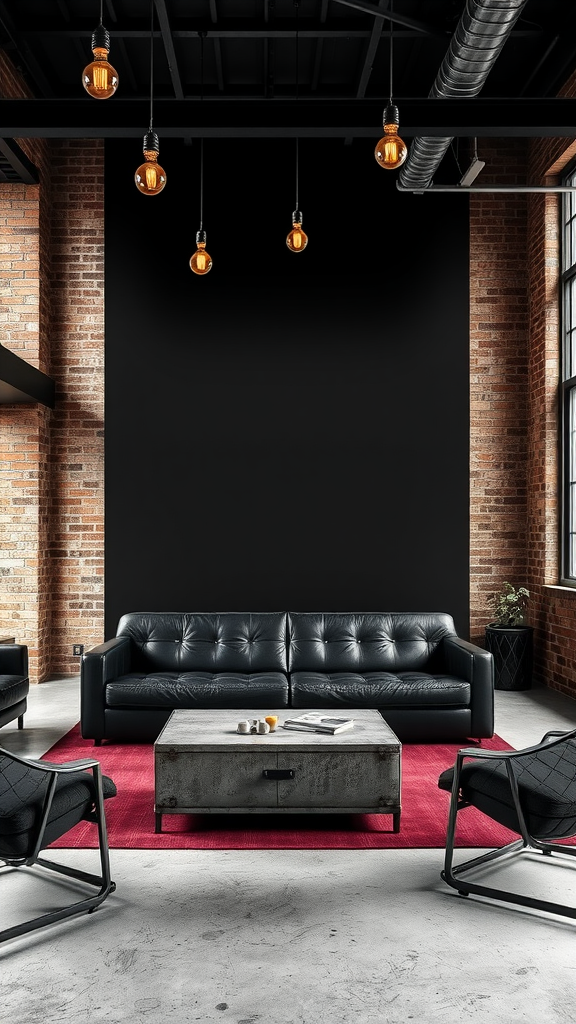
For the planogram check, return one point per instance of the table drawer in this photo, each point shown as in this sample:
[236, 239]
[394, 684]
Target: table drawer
[333, 779]
[207, 779]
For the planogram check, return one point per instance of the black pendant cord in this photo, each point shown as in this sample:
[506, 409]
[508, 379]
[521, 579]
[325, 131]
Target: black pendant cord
[151, 62]
[202, 37]
[297, 6]
[101, 10]
[391, 47]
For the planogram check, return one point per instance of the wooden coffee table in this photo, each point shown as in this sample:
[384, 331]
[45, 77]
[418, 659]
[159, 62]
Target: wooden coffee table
[202, 766]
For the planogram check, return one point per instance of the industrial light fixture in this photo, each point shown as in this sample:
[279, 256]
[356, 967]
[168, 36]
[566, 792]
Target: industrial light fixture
[296, 239]
[99, 78]
[201, 261]
[391, 151]
[150, 177]
[474, 169]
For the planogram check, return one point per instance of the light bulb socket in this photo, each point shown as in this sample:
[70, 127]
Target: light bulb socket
[101, 38]
[151, 143]
[297, 217]
[200, 238]
[391, 115]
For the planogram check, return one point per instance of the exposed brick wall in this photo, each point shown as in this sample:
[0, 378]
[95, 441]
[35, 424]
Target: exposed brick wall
[553, 609]
[51, 487]
[498, 380]
[24, 429]
[77, 460]
[520, 469]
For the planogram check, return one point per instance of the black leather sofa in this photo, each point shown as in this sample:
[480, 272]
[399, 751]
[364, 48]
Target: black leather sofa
[427, 682]
[14, 683]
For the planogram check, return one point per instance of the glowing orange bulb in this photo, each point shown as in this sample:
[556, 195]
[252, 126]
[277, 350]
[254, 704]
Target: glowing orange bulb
[391, 151]
[150, 177]
[99, 78]
[297, 240]
[201, 261]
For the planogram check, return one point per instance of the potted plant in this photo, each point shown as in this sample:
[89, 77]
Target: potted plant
[509, 639]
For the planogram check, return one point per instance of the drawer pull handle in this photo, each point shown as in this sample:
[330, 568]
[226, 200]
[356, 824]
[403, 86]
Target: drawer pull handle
[278, 773]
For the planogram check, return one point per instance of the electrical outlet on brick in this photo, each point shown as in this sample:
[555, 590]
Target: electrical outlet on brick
[77, 650]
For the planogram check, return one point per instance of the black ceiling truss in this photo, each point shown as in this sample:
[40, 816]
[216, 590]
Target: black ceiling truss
[308, 116]
[250, 86]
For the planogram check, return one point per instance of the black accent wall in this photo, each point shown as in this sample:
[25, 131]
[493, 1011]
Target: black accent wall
[290, 431]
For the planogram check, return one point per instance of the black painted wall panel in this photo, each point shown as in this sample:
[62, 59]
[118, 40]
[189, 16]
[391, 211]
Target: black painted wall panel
[290, 431]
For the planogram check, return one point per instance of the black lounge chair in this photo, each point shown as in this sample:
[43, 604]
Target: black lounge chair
[39, 803]
[530, 791]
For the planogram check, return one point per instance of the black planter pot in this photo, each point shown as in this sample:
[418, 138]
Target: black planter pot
[512, 651]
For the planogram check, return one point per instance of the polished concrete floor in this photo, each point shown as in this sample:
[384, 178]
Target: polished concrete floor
[288, 937]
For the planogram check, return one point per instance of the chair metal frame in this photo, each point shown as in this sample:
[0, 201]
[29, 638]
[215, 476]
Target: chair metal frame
[452, 875]
[103, 881]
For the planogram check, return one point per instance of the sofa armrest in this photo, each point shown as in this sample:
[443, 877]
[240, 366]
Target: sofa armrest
[13, 660]
[476, 666]
[98, 667]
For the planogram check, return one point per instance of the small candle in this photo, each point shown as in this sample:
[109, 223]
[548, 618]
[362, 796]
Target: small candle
[272, 721]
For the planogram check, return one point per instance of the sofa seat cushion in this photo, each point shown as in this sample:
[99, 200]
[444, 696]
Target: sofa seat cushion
[12, 690]
[377, 689]
[198, 690]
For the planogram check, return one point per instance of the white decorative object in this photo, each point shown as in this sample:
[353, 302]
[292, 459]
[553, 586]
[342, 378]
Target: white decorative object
[243, 726]
[263, 726]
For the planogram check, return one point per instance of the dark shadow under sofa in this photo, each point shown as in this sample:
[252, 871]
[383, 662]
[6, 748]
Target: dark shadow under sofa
[428, 684]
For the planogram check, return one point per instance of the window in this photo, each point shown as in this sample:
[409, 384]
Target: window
[568, 300]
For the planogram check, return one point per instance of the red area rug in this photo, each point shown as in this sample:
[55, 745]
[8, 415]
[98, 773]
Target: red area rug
[130, 815]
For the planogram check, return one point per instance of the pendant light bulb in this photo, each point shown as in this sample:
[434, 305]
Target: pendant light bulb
[201, 261]
[150, 177]
[297, 240]
[391, 151]
[99, 78]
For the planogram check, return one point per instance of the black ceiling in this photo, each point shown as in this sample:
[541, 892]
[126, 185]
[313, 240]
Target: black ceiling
[249, 79]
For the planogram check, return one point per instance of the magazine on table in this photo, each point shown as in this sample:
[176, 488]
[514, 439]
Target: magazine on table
[314, 721]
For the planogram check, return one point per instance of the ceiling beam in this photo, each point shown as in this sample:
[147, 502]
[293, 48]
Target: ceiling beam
[169, 50]
[256, 118]
[398, 19]
[19, 162]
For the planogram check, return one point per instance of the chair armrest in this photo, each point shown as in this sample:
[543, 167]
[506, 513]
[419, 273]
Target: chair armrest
[48, 766]
[476, 666]
[13, 660]
[544, 744]
[98, 667]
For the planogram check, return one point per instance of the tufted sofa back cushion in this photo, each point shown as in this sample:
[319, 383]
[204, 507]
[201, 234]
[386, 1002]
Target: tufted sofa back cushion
[206, 641]
[365, 641]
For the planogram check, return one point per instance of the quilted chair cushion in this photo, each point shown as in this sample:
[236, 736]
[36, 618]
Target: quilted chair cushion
[367, 641]
[206, 641]
[22, 792]
[377, 690]
[546, 785]
[13, 689]
[198, 690]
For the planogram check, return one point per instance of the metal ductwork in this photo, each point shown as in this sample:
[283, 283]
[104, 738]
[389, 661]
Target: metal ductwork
[482, 31]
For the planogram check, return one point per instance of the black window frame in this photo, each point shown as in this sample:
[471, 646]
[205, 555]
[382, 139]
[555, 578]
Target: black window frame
[568, 383]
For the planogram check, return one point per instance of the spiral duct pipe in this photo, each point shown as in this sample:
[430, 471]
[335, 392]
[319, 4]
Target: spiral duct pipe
[480, 35]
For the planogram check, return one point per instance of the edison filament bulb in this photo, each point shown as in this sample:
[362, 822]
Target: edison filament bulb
[297, 240]
[201, 261]
[99, 78]
[150, 177]
[391, 151]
